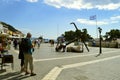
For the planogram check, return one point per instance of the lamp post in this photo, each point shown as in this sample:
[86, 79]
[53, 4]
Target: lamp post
[100, 30]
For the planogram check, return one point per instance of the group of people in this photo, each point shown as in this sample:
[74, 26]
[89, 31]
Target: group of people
[37, 42]
[26, 55]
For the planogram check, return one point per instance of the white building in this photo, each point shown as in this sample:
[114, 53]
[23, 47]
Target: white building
[3, 30]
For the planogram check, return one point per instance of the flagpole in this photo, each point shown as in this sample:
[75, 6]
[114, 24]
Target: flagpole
[94, 17]
[57, 30]
[96, 27]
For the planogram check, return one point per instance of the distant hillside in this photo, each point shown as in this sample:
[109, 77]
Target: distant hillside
[9, 26]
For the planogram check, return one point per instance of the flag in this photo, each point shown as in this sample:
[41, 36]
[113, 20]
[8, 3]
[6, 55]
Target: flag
[93, 17]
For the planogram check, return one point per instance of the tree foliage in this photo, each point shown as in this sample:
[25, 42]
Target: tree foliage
[113, 34]
[70, 35]
[40, 37]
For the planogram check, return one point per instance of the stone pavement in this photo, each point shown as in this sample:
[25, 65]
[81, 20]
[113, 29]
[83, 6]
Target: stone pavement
[50, 65]
[105, 70]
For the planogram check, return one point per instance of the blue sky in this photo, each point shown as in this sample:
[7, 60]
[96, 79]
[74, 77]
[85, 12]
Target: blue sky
[51, 18]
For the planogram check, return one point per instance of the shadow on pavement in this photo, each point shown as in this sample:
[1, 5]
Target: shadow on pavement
[12, 75]
[2, 71]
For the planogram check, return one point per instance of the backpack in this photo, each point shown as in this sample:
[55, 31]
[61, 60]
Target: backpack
[25, 45]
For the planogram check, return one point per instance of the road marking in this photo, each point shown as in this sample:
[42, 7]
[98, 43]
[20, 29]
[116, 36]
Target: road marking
[37, 60]
[53, 74]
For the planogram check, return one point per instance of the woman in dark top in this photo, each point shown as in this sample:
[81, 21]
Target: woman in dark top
[21, 56]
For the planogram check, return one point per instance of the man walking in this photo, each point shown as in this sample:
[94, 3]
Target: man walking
[28, 59]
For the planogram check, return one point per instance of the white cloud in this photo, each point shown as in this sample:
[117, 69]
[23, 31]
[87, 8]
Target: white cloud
[85, 4]
[115, 18]
[112, 20]
[110, 6]
[91, 22]
[32, 1]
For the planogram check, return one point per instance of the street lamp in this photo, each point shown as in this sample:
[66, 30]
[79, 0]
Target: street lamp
[100, 30]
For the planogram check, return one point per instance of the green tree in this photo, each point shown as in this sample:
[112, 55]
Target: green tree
[85, 35]
[40, 37]
[70, 35]
[113, 34]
